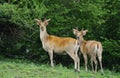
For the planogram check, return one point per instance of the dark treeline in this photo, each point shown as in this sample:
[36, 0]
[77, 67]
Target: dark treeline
[19, 34]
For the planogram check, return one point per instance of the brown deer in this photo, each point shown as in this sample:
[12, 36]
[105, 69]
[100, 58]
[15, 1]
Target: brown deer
[91, 48]
[58, 45]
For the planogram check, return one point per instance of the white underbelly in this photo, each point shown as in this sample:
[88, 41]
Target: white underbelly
[59, 51]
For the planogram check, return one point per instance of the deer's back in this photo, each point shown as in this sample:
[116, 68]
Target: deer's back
[89, 46]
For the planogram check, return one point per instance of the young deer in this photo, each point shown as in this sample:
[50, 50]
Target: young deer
[58, 45]
[91, 48]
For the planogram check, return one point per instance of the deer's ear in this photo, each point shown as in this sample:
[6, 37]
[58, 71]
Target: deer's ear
[84, 32]
[38, 21]
[75, 31]
[46, 21]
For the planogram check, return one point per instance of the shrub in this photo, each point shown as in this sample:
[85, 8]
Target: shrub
[111, 54]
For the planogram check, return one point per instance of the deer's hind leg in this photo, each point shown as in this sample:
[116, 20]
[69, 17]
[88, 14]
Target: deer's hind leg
[75, 59]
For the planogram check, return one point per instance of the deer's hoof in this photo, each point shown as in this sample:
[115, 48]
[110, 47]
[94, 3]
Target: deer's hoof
[77, 70]
[102, 73]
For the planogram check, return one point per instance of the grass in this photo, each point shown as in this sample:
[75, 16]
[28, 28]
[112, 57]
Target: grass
[25, 69]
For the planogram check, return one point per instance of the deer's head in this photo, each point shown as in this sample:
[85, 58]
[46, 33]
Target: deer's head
[79, 34]
[42, 24]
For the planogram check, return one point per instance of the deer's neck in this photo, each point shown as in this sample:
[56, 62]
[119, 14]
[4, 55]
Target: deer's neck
[81, 41]
[43, 35]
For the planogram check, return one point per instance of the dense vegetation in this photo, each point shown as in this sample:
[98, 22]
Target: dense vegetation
[19, 34]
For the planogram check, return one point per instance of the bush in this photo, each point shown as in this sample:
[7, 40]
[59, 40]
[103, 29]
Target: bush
[111, 54]
[18, 32]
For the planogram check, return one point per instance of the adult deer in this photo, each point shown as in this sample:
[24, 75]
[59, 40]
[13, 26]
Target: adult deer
[58, 45]
[91, 48]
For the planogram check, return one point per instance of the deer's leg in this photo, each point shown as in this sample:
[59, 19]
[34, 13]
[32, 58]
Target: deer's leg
[92, 64]
[95, 61]
[100, 61]
[78, 61]
[85, 60]
[73, 56]
[51, 58]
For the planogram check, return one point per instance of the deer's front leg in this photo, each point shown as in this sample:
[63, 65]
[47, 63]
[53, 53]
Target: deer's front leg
[51, 57]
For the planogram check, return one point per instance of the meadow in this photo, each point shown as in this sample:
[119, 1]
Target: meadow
[13, 68]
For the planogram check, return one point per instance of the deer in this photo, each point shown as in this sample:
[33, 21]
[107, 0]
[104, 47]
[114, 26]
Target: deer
[58, 45]
[91, 47]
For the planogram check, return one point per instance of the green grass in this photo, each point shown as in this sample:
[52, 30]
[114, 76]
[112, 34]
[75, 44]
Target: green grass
[25, 69]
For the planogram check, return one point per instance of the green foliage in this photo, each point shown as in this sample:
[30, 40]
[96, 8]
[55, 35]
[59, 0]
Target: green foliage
[111, 54]
[67, 15]
[18, 30]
